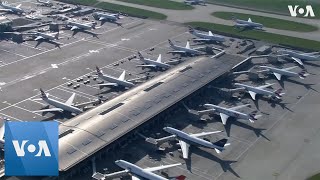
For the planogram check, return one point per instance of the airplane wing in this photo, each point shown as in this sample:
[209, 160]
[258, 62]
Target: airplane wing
[181, 52]
[122, 76]
[49, 110]
[106, 84]
[74, 28]
[159, 58]
[70, 100]
[184, 148]
[201, 39]
[253, 95]
[147, 65]
[152, 169]
[18, 6]
[278, 76]
[6, 10]
[39, 38]
[188, 45]
[224, 118]
[205, 133]
[289, 68]
[265, 86]
[297, 60]
[239, 107]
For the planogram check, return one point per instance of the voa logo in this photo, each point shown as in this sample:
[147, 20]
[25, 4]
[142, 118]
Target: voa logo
[42, 148]
[31, 149]
[306, 11]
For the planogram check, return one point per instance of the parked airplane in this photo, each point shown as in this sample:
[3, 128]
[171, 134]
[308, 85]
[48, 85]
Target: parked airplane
[183, 50]
[185, 140]
[278, 73]
[11, 9]
[225, 113]
[152, 63]
[139, 173]
[206, 36]
[247, 24]
[81, 26]
[46, 3]
[49, 37]
[299, 57]
[113, 81]
[253, 91]
[103, 17]
[193, 2]
[2, 128]
[59, 106]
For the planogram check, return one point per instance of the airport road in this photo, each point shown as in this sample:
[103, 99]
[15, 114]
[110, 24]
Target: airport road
[202, 13]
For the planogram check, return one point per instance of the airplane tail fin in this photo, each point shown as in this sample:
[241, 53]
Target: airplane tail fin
[98, 71]
[170, 42]
[43, 94]
[181, 177]
[279, 93]
[56, 36]
[191, 30]
[140, 56]
[233, 17]
[303, 74]
[254, 116]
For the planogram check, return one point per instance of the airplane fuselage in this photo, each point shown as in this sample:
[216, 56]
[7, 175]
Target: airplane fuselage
[63, 106]
[191, 140]
[187, 50]
[81, 26]
[12, 9]
[46, 36]
[256, 90]
[281, 71]
[229, 112]
[104, 16]
[136, 170]
[206, 36]
[116, 80]
[251, 24]
[158, 64]
[302, 56]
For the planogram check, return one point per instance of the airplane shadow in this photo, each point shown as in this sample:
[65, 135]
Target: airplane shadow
[306, 85]
[225, 164]
[232, 121]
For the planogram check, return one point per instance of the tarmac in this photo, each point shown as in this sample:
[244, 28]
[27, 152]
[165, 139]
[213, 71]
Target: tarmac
[282, 144]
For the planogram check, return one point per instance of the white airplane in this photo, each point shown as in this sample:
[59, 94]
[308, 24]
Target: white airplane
[225, 113]
[183, 50]
[113, 81]
[137, 172]
[206, 36]
[11, 9]
[247, 24]
[49, 37]
[278, 73]
[59, 106]
[299, 57]
[185, 140]
[152, 63]
[2, 128]
[192, 2]
[253, 91]
[106, 16]
[81, 26]
[46, 3]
